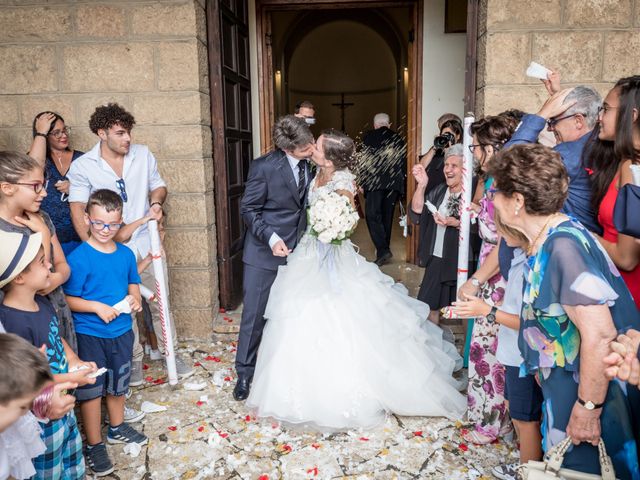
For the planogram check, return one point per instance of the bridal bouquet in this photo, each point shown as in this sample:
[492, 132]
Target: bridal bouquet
[332, 218]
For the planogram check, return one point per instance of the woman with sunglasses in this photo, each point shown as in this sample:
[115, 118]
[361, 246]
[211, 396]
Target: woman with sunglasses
[50, 147]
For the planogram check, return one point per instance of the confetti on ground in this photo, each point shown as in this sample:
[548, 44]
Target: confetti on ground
[209, 435]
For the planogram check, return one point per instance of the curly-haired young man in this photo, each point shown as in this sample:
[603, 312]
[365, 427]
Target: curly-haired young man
[130, 170]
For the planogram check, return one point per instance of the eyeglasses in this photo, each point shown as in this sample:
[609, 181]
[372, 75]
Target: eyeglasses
[491, 193]
[123, 189]
[603, 109]
[473, 146]
[58, 133]
[99, 225]
[552, 122]
[37, 186]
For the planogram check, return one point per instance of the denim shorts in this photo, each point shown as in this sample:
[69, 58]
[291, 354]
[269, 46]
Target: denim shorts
[115, 355]
[524, 396]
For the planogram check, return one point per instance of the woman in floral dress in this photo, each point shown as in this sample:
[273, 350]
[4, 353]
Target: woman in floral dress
[575, 303]
[485, 393]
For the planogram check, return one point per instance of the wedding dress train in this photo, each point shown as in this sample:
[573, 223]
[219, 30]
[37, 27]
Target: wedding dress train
[344, 344]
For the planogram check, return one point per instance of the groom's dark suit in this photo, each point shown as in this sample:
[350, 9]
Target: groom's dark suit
[271, 204]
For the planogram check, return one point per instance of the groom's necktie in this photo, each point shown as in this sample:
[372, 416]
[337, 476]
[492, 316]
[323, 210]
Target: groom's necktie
[302, 164]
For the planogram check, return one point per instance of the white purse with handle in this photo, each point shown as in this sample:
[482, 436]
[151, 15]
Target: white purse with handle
[551, 467]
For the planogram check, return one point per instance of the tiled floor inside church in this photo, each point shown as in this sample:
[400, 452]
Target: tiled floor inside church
[205, 434]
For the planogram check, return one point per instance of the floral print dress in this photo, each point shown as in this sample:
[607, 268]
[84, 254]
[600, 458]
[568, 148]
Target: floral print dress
[572, 269]
[485, 393]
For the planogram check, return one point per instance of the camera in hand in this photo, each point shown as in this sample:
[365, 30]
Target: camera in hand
[444, 141]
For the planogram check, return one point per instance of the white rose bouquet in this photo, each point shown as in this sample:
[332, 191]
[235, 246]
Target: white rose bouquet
[332, 218]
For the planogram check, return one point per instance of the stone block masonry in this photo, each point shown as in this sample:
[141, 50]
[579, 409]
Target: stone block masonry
[592, 42]
[70, 56]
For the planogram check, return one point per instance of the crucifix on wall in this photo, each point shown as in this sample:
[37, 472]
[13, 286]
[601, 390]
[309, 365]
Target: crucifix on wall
[342, 106]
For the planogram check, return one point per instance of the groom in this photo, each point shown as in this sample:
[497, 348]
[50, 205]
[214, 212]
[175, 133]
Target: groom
[273, 209]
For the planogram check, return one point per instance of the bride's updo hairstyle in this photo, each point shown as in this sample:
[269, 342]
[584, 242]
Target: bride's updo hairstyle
[338, 147]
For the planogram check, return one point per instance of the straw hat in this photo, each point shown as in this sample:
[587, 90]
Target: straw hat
[18, 250]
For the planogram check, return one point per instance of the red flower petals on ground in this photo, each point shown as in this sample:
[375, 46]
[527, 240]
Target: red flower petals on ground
[145, 366]
[418, 433]
[172, 428]
[315, 445]
[158, 381]
[199, 403]
[222, 434]
[210, 358]
[149, 379]
[201, 429]
[313, 470]
[197, 364]
[227, 379]
[222, 310]
[463, 447]
[263, 477]
[364, 439]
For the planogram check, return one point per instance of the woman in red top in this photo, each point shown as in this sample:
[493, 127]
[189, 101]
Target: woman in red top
[618, 150]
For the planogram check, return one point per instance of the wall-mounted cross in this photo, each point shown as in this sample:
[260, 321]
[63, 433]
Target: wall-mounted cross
[342, 106]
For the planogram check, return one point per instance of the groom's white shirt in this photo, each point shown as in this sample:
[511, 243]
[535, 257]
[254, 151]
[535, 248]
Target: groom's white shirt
[293, 163]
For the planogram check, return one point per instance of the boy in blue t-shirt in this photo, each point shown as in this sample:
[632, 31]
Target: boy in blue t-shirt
[103, 274]
[24, 271]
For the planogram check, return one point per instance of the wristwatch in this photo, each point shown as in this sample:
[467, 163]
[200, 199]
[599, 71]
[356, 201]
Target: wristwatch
[475, 282]
[38, 134]
[589, 405]
[156, 203]
[491, 316]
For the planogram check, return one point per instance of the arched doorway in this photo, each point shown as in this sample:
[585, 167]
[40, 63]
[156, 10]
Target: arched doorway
[348, 64]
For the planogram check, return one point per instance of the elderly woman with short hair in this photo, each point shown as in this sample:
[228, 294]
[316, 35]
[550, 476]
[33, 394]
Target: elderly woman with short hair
[438, 247]
[574, 303]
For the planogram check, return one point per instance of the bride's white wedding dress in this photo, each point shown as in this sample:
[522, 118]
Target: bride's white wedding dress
[344, 344]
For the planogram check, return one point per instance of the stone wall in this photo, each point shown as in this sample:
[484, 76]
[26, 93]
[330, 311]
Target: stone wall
[591, 42]
[151, 57]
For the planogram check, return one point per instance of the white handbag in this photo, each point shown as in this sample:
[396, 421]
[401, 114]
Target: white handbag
[551, 466]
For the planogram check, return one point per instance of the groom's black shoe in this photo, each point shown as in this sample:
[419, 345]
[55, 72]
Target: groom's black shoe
[383, 259]
[242, 388]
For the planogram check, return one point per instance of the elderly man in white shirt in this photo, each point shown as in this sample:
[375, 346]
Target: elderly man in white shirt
[131, 171]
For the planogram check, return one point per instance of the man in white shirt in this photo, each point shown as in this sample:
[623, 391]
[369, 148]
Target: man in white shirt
[131, 171]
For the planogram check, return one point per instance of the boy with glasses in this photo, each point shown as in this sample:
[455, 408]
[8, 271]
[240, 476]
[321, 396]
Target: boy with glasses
[102, 291]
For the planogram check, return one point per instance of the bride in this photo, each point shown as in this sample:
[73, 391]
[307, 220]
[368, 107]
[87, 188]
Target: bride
[344, 344]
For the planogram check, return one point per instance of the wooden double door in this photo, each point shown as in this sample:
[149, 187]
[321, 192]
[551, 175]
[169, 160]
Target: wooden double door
[230, 88]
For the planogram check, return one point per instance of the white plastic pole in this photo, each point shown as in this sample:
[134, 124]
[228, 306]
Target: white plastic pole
[147, 294]
[162, 294]
[465, 204]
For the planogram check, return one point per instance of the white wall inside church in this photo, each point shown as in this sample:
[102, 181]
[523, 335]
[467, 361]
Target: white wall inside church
[442, 71]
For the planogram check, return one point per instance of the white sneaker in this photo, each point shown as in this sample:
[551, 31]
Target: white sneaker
[131, 415]
[155, 354]
[184, 370]
[505, 472]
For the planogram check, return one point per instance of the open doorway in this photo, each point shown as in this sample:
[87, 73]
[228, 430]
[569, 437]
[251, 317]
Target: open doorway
[351, 59]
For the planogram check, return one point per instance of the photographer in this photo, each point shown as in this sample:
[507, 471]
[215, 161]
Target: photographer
[433, 160]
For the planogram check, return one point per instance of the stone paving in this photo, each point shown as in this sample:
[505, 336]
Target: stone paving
[207, 435]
